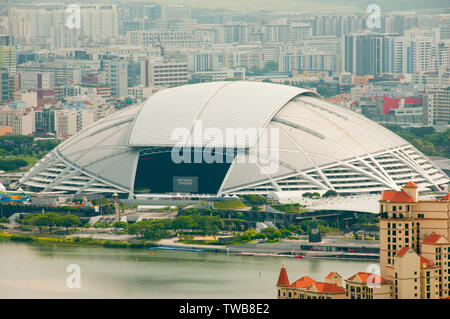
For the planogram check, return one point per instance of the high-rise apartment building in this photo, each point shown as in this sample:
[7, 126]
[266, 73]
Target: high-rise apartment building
[23, 123]
[116, 76]
[30, 80]
[437, 104]
[99, 21]
[363, 54]
[8, 59]
[65, 122]
[236, 33]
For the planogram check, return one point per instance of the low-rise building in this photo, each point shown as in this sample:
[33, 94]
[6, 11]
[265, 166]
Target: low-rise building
[364, 285]
[308, 288]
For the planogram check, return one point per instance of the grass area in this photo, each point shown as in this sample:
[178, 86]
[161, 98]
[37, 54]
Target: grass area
[231, 204]
[76, 241]
[31, 160]
[234, 241]
[290, 208]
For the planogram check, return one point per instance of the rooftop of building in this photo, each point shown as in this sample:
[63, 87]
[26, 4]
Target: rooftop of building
[396, 196]
[435, 238]
[326, 287]
[303, 283]
[283, 279]
[367, 277]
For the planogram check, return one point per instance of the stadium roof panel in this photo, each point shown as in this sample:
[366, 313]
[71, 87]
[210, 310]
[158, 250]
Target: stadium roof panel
[218, 105]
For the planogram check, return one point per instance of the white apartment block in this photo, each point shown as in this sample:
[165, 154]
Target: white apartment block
[99, 21]
[175, 12]
[167, 74]
[153, 38]
[66, 122]
[30, 80]
[140, 93]
[116, 76]
[23, 123]
[437, 105]
[236, 33]
[85, 118]
[317, 61]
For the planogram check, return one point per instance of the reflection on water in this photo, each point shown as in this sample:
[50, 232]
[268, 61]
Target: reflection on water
[39, 271]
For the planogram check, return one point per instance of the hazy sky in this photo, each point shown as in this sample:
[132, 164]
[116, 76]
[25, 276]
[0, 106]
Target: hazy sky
[338, 6]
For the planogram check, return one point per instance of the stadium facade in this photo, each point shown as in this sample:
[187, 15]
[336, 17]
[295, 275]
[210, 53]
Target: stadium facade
[321, 146]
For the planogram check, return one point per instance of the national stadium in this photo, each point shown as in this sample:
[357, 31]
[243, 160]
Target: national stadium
[321, 146]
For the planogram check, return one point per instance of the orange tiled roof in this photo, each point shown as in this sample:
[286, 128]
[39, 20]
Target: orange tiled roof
[396, 196]
[410, 185]
[303, 282]
[432, 238]
[327, 287]
[330, 275]
[364, 277]
[425, 262]
[402, 252]
[283, 279]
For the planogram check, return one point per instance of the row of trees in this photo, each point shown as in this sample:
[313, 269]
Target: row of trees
[12, 164]
[158, 229]
[21, 145]
[270, 66]
[426, 139]
[51, 220]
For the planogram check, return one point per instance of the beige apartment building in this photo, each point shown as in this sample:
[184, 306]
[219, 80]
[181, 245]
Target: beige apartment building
[422, 226]
[413, 276]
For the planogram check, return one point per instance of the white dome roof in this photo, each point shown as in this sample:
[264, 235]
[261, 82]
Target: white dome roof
[321, 145]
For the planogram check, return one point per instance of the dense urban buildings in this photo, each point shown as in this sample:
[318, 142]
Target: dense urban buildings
[100, 57]
[64, 67]
[224, 126]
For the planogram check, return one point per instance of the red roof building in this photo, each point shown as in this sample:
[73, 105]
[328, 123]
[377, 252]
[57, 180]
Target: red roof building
[396, 196]
[326, 287]
[283, 280]
[410, 185]
[303, 283]
[432, 239]
[368, 278]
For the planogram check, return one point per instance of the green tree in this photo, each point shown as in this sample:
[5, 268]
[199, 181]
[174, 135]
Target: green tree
[270, 66]
[271, 233]
[183, 222]
[208, 225]
[330, 193]
[325, 90]
[120, 225]
[46, 220]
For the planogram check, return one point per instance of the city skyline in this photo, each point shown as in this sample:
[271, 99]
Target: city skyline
[195, 147]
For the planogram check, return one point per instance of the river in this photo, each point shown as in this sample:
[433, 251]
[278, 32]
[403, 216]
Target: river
[39, 271]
